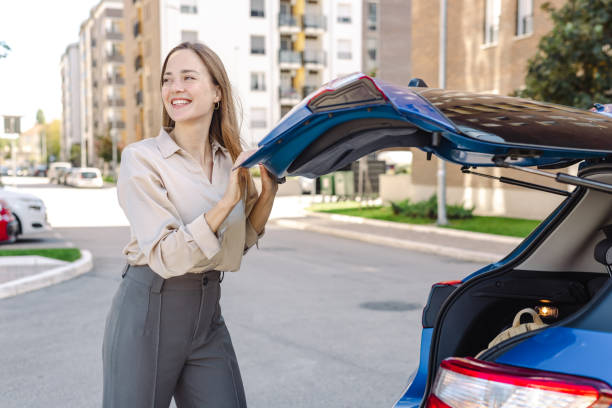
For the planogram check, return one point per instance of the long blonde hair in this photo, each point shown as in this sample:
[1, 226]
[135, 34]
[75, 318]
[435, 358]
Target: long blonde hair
[224, 124]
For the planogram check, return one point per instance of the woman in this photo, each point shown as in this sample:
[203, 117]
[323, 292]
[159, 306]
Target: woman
[191, 217]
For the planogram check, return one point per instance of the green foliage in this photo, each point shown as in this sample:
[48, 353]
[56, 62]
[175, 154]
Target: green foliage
[75, 155]
[53, 135]
[63, 254]
[104, 147]
[573, 65]
[40, 117]
[429, 209]
[4, 54]
[255, 172]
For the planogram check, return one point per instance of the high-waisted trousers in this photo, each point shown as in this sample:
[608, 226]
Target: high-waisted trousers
[165, 338]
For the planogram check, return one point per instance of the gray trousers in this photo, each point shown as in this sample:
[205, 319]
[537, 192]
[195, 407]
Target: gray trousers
[165, 338]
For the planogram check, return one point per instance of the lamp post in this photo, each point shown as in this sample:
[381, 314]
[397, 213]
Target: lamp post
[442, 220]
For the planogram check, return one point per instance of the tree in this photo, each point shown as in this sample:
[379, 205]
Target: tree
[75, 155]
[4, 53]
[53, 136]
[573, 64]
[40, 117]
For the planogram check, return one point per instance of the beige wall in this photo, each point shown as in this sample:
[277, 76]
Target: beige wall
[473, 66]
[143, 119]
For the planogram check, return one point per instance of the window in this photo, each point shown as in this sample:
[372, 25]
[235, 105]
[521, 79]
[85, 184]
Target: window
[189, 7]
[372, 46]
[492, 15]
[257, 8]
[258, 82]
[344, 13]
[524, 17]
[344, 49]
[191, 36]
[258, 117]
[258, 44]
[372, 16]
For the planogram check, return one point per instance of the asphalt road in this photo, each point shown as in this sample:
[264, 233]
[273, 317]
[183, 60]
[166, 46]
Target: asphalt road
[316, 321]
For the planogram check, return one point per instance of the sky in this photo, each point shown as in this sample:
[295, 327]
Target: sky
[38, 32]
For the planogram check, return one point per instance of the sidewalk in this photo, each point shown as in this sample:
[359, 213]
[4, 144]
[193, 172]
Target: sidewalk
[463, 245]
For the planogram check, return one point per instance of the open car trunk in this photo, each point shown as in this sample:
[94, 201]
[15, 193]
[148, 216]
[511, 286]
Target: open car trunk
[555, 267]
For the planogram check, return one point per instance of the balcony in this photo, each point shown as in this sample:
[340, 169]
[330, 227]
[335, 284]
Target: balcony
[289, 96]
[115, 80]
[116, 124]
[287, 23]
[308, 89]
[314, 23]
[289, 59]
[138, 98]
[116, 102]
[136, 29]
[138, 63]
[314, 59]
[114, 35]
[114, 57]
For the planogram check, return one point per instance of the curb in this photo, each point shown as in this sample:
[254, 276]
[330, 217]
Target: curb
[49, 277]
[479, 236]
[461, 254]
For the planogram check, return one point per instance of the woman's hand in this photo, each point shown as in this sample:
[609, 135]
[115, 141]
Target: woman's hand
[269, 186]
[233, 193]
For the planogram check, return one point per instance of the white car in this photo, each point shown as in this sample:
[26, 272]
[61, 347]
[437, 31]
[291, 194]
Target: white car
[29, 210]
[54, 168]
[85, 177]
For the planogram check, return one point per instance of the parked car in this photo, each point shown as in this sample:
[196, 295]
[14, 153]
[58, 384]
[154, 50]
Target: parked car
[54, 170]
[40, 170]
[63, 174]
[561, 270]
[29, 211]
[8, 224]
[85, 177]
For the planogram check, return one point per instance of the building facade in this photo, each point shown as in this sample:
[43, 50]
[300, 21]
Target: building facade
[277, 53]
[103, 110]
[70, 69]
[488, 45]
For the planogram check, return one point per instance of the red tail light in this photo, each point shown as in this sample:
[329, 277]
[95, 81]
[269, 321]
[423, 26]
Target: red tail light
[470, 383]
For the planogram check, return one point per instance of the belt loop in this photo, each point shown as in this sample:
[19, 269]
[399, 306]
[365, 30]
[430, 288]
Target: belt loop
[222, 276]
[125, 269]
[157, 284]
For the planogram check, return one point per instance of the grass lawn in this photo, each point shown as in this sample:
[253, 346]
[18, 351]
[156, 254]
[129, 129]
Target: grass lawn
[63, 254]
[513, 227]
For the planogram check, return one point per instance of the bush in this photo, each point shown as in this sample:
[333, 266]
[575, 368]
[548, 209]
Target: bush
[429, 209]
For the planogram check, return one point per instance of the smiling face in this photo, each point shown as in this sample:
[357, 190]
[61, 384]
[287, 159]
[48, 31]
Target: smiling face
[188, 92]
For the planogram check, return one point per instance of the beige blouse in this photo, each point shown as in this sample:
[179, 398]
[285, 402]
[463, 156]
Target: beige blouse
[164, 193]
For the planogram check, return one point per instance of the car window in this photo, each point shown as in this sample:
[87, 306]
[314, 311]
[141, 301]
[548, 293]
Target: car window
[88, 174]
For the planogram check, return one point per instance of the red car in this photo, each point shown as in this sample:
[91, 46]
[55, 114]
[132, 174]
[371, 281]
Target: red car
[8, 224]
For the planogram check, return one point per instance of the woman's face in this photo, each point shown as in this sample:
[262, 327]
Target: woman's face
[188, 92]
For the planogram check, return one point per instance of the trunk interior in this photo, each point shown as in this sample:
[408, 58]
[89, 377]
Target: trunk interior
[556, 267]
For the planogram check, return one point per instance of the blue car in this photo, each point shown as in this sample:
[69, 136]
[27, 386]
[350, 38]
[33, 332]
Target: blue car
[561, 272]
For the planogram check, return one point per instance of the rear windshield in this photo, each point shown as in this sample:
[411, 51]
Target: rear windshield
[88, 175]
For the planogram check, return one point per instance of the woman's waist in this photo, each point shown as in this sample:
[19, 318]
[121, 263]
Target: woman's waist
[145, 275]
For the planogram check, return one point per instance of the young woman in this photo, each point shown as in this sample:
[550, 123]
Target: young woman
[191, 217]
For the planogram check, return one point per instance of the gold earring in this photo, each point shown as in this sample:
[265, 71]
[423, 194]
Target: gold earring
[217, 104]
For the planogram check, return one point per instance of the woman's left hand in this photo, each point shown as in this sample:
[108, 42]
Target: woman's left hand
[269, 186]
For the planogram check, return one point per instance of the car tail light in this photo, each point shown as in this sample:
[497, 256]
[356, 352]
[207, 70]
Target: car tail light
[352, 90]
[471, 383]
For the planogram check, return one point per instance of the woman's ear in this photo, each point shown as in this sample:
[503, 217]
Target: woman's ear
[217, 94]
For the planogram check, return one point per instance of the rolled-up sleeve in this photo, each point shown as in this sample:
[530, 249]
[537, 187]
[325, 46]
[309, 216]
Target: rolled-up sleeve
[171, 247]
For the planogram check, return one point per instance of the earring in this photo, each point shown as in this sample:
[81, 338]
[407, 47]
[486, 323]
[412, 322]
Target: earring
[217, 104]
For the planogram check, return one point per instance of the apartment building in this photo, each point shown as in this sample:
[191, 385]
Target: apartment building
[276, 52]
[488, 45]
[70, 70]
[102, 66]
